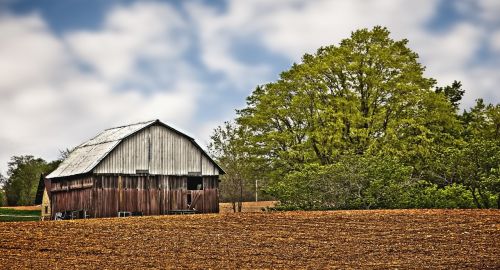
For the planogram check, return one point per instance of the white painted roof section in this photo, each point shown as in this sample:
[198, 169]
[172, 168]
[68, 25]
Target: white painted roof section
[87, 155]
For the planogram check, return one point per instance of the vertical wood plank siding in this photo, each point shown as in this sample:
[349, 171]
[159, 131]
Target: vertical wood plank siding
[158, 150]
[106, 195]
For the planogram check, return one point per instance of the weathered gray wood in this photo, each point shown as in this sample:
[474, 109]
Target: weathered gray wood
[159, 151]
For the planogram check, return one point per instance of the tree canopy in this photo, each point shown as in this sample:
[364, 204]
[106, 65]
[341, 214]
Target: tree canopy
[358, 125]
[22, 179]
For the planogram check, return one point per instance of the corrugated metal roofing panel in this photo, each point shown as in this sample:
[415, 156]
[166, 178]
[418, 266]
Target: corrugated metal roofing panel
[87, 155]
[117, 133]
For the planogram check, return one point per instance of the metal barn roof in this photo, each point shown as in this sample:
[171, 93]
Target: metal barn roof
[87, 155]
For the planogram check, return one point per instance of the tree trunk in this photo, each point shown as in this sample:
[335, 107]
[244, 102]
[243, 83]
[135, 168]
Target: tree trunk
[241, 196]
[484, 198]
[498, 201]
[474, 197]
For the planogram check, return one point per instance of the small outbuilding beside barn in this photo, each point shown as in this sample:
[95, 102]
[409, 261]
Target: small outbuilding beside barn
[147, 168]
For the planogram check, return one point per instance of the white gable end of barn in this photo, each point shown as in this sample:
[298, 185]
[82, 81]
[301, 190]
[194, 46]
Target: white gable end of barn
[151, 147]
[158, 150]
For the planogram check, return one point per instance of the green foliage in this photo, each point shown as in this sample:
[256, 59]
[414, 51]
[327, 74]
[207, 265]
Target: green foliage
[3, 200]
[23, 177]
[352, 183]
[227, 147]
[345, 99]
[427, 195]
[453, 93]
[359, 126]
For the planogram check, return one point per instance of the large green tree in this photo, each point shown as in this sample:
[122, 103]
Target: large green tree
[358, 125]
[364, 96]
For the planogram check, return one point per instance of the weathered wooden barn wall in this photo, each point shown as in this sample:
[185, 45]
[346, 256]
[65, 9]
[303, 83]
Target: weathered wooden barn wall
[159, 150]
[106, 195]
[71, 194]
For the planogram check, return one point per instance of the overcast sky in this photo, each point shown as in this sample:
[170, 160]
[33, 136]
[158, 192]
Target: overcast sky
[69, 69]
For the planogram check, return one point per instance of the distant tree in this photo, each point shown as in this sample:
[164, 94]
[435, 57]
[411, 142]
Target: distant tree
[225, 147]
[3, 200]
[23, 175]
[3, 180]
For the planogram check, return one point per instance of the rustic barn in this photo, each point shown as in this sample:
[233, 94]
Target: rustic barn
[146, 168]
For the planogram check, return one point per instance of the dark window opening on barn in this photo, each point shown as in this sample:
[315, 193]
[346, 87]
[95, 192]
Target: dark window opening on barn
[46, 209]
[195, 183]
[142, 171]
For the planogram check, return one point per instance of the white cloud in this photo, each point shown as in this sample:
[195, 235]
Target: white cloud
[217, 34]
[450, 56]
[292, 28]
[495, 41]
[48, 102]
[490, 9]
[140, 32]
[29, 53]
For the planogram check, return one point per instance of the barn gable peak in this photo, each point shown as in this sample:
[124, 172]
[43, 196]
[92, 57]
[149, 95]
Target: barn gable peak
[85, 157]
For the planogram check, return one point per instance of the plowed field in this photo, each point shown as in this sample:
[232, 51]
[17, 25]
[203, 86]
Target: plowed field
[437, 239]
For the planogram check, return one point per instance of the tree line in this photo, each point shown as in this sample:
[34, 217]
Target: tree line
[19, 186]
[358, 126]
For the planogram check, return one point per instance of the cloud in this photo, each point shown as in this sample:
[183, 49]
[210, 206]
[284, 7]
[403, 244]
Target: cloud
[292, 28]
[60, 91]
[30, 54]
[217, 34]
[495, 42]
[484, 10]
[188, 63]
[142, 32]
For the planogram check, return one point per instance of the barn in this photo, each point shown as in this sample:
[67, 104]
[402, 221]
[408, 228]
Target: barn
[146, 168]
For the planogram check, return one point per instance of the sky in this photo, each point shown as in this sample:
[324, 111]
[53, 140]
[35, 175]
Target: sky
[70, 69]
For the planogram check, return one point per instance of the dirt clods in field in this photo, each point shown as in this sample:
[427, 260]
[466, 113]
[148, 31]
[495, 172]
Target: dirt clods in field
[437, 239]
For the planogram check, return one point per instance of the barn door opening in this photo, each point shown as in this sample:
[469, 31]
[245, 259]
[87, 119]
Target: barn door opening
[195, 188]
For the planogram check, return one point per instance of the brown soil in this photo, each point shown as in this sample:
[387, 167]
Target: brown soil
[436, 239]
